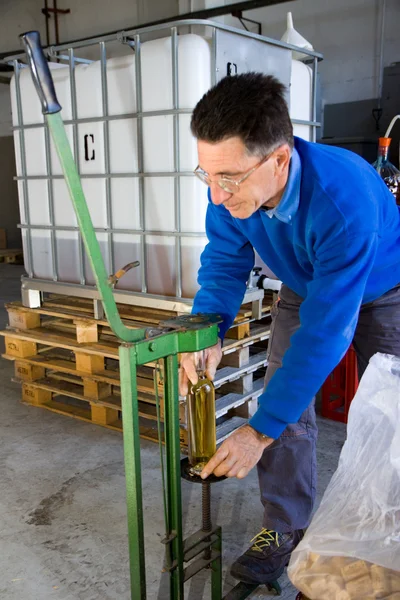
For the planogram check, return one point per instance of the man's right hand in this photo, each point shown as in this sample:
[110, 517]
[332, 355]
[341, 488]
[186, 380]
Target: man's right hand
[187, 371]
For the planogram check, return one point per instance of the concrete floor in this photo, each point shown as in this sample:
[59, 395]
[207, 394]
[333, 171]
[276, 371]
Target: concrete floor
[63, 532]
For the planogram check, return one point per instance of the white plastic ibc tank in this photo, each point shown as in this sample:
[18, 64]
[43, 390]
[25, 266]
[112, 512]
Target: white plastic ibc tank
[194, 76]
[301, 98]
[156, 227]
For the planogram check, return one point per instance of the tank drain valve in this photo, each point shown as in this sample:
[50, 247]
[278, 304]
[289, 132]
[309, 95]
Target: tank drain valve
[113, 279]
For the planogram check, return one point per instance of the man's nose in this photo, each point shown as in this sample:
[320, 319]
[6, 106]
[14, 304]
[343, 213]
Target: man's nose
[218, 195]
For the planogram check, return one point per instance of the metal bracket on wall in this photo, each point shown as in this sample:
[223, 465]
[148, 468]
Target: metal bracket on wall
[55, 12]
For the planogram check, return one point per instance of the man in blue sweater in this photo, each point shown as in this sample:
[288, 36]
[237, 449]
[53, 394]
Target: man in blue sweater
[324, 222]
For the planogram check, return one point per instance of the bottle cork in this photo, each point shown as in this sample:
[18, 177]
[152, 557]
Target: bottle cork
[313, 557]
[355, 569]
[380, 578]
[312, 561]
[395, 581]
[360, 587]
[335, 564]
[342, 595]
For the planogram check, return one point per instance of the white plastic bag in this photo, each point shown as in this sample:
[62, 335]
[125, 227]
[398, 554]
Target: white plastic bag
[352, 548]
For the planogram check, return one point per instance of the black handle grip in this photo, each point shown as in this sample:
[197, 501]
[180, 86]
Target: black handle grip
[40, 72]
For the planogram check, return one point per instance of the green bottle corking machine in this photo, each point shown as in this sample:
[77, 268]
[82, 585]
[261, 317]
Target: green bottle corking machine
[191, 333]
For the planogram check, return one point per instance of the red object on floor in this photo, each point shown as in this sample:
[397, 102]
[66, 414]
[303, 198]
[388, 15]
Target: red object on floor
[340, 387]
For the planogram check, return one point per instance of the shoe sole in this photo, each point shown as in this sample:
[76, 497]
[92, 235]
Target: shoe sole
[237, 573]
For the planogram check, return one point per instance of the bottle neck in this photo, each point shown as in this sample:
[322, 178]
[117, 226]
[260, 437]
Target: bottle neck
[383, 152]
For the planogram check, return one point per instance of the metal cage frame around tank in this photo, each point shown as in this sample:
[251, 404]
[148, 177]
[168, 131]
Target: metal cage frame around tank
[34, 288]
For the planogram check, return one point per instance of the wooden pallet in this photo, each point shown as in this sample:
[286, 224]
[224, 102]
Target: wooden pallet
[11, 255]
[57, 373]
[96, 398]
[68, 398]
[37, 351]
[62, 326]
[73, 314]
[68, 362]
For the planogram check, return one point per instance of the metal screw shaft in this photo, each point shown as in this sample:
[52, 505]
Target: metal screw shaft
[206, 512]
[206, 506]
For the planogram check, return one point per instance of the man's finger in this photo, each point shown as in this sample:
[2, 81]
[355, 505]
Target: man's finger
[212, 364]
[188, 365]
[244, 471]
[183, 382]
[217, 459]
[227, 465]
[237, 467]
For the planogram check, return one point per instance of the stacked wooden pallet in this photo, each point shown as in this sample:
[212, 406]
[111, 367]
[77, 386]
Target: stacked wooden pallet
[67, 362]
[11, 256]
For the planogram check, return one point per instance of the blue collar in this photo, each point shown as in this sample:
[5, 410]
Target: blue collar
[289, 202]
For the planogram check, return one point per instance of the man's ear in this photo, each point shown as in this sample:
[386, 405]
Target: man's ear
[282, 159]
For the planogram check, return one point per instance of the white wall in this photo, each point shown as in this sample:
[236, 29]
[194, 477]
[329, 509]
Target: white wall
[347, 33]
[87, 18]
[17, 16]
[91, 17]
[5, 110]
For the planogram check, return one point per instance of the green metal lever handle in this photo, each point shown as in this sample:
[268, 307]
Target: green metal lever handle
[40, 72]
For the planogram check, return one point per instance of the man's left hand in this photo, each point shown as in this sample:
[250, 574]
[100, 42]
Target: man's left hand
[238, 454]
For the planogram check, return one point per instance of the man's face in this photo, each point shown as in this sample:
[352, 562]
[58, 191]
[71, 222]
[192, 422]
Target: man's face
[230, 159]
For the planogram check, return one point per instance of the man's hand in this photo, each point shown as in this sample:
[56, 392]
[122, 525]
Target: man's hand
[188, 372]
[238, 454]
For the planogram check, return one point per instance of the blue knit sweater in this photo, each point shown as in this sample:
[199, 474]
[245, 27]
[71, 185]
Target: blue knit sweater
[334, 239]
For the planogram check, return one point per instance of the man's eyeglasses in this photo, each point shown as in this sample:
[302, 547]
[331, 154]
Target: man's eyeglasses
[229, 185]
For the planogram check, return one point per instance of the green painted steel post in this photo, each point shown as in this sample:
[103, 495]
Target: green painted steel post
[173, 461]
[133, 476]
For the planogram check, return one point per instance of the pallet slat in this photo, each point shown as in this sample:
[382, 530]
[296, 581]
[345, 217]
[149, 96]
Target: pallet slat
[71, 390]
[66, 340]
[232, 400]
[230, 374]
